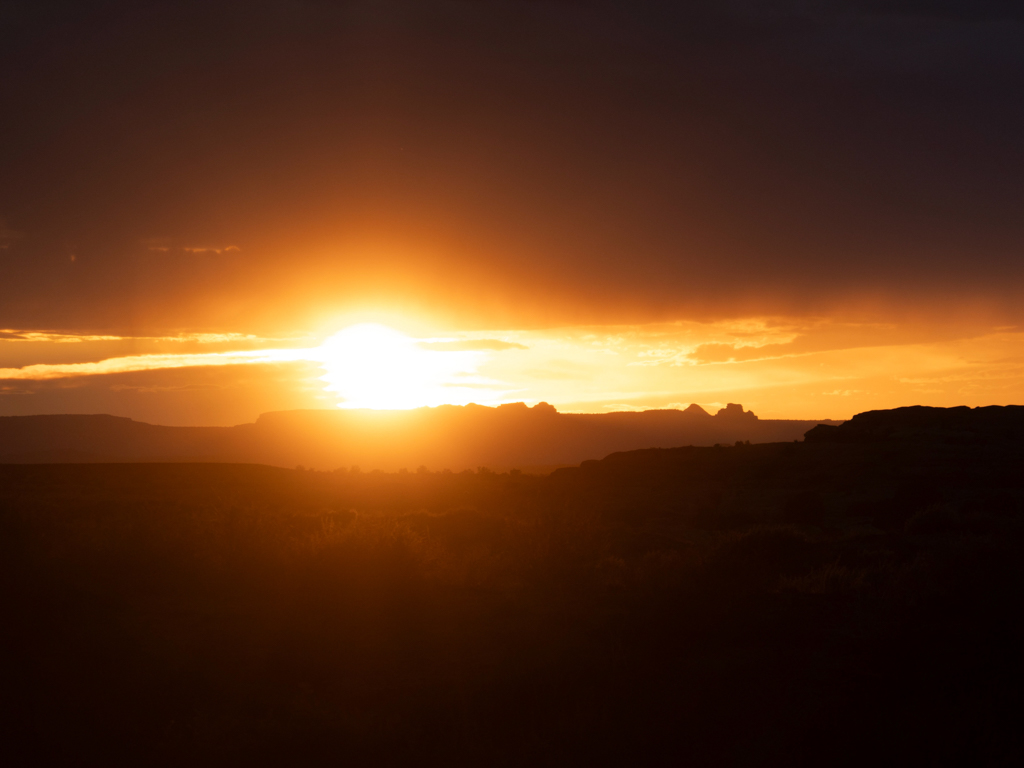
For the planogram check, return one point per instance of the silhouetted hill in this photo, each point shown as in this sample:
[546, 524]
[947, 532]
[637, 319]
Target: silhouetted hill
[785, 604]
[447, 437]
[988, 424]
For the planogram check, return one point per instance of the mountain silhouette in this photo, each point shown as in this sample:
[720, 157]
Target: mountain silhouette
[446, 437]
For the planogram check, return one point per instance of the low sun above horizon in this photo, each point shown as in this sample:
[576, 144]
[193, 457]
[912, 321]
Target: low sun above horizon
[780, 368]
[369, 365]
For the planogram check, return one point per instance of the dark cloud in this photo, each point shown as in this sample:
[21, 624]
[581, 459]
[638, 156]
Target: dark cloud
[958, 10]
[513, 162]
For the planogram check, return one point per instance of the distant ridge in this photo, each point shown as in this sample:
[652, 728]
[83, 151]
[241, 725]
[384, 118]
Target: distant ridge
[446, 437]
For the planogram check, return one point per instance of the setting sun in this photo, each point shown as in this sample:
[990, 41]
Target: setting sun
[373, 366]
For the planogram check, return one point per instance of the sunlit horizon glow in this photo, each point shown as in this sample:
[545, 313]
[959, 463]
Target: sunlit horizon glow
[812, 212]
[804, 368]
[373, 366]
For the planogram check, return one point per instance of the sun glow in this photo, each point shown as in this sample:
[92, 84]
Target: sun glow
[373, 366]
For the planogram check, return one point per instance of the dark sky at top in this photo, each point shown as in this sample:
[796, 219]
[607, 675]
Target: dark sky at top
[259, 165]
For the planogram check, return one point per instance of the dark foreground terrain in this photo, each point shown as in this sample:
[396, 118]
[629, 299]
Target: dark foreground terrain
[847, 600]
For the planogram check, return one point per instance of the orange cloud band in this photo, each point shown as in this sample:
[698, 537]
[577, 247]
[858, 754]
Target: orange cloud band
[133, 363]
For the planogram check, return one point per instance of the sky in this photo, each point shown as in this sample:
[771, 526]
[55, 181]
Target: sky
[812, 208]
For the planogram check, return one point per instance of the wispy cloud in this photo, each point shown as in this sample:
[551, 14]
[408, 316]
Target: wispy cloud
[165, 245]
[469, 345]
[56, 337]
[131, 363]
[8, 334]
[209, 249]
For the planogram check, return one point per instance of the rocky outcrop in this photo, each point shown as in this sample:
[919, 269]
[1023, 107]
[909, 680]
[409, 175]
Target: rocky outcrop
[919, 423]
[735, 412]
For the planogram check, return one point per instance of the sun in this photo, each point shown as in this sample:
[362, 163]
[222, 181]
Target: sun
[373, 366]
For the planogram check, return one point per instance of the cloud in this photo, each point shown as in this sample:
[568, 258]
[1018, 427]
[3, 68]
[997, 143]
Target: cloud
[544, 374]
[741, 353]
[470, 345]
[10, 334]
[819, 336]
[208, 249]
[215, 338]
[735, 163]
[156, 388]
[165, 245]
[131, 363]
[157, 244]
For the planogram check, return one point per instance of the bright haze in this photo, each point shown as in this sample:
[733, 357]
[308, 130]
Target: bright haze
[210, 210]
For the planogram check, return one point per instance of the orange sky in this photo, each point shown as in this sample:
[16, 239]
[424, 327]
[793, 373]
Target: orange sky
[813, 209]
[780, 369]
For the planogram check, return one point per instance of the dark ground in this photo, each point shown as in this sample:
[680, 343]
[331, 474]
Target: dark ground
[779, 604]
